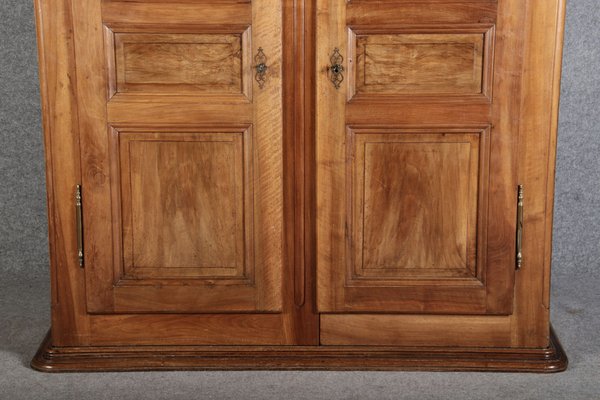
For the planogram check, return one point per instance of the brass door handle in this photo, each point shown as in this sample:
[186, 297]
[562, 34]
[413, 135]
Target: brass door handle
[79, 221]
[336, 69]
[260, 65]
[520, 199]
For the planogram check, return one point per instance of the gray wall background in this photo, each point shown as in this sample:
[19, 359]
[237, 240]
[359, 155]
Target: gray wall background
[23, 227]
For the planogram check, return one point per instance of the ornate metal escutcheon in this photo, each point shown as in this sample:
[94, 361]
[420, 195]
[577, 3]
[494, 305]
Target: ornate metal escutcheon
[260, 64]
[336, 69]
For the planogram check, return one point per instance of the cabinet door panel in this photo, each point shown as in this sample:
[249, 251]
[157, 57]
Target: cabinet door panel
[416, 197]
[181, 156]
[186, 200]
[193, 63]
[418, 63]
[415, 203]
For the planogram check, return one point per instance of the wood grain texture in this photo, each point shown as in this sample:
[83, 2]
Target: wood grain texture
[184, 210]
[95, 154]
[500, 257]
[175, 268]
[438, 112]
[158, 114]
[151, 62]
[58, 86]
[397, 13]
[330, 158]
[419, 63]
[268, 161]
[82, 341]
[415, 204]
[415, 330]
[184, 329]
[491, 171]
[163, 12]
[125, 110]
[298, 118]
[537, 158]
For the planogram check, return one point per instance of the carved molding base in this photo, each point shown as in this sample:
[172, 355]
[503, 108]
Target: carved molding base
[148, 358]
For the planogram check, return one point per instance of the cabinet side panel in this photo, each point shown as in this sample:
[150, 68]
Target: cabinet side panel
[558, 59]
[59, 108]
[537, 154]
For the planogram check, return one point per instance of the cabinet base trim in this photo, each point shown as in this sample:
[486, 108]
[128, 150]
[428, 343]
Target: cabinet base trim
[153, 358]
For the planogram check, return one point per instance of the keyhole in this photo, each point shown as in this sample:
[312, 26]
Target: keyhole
[261, 68]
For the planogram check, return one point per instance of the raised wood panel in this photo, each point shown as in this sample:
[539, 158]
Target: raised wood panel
[180, 63]
[415, 198]
[188, 193]
[406, 63]
[186, 203]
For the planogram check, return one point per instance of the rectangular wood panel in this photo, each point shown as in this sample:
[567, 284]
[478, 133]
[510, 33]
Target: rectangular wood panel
[184, 210]
[415, 201]
[211, 13]
[188, 329]
[415, 330]
[407, 63]
[124, 109]
[394, 12]
[184, 62]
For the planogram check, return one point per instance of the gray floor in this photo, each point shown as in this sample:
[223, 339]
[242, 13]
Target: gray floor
[24, 320]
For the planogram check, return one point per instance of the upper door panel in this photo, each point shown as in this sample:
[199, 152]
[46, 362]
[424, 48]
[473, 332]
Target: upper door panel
[417, 63]
[181, 63]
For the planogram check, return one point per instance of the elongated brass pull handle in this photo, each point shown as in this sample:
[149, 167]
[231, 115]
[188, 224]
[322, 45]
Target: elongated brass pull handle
[520, 199]
[79, 218]
[260, 64]
[336, 69]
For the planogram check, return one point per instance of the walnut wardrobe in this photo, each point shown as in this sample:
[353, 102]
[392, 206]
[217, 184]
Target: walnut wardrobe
[329, 184]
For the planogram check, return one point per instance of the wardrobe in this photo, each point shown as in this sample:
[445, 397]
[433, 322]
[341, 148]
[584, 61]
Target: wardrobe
[307, 184]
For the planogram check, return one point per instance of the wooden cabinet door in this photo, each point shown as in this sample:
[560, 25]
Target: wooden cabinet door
[181, 149]
[416, 155]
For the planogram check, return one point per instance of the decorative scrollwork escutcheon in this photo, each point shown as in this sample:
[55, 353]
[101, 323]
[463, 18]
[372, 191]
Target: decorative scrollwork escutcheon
[336, 69]
[260, 64]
